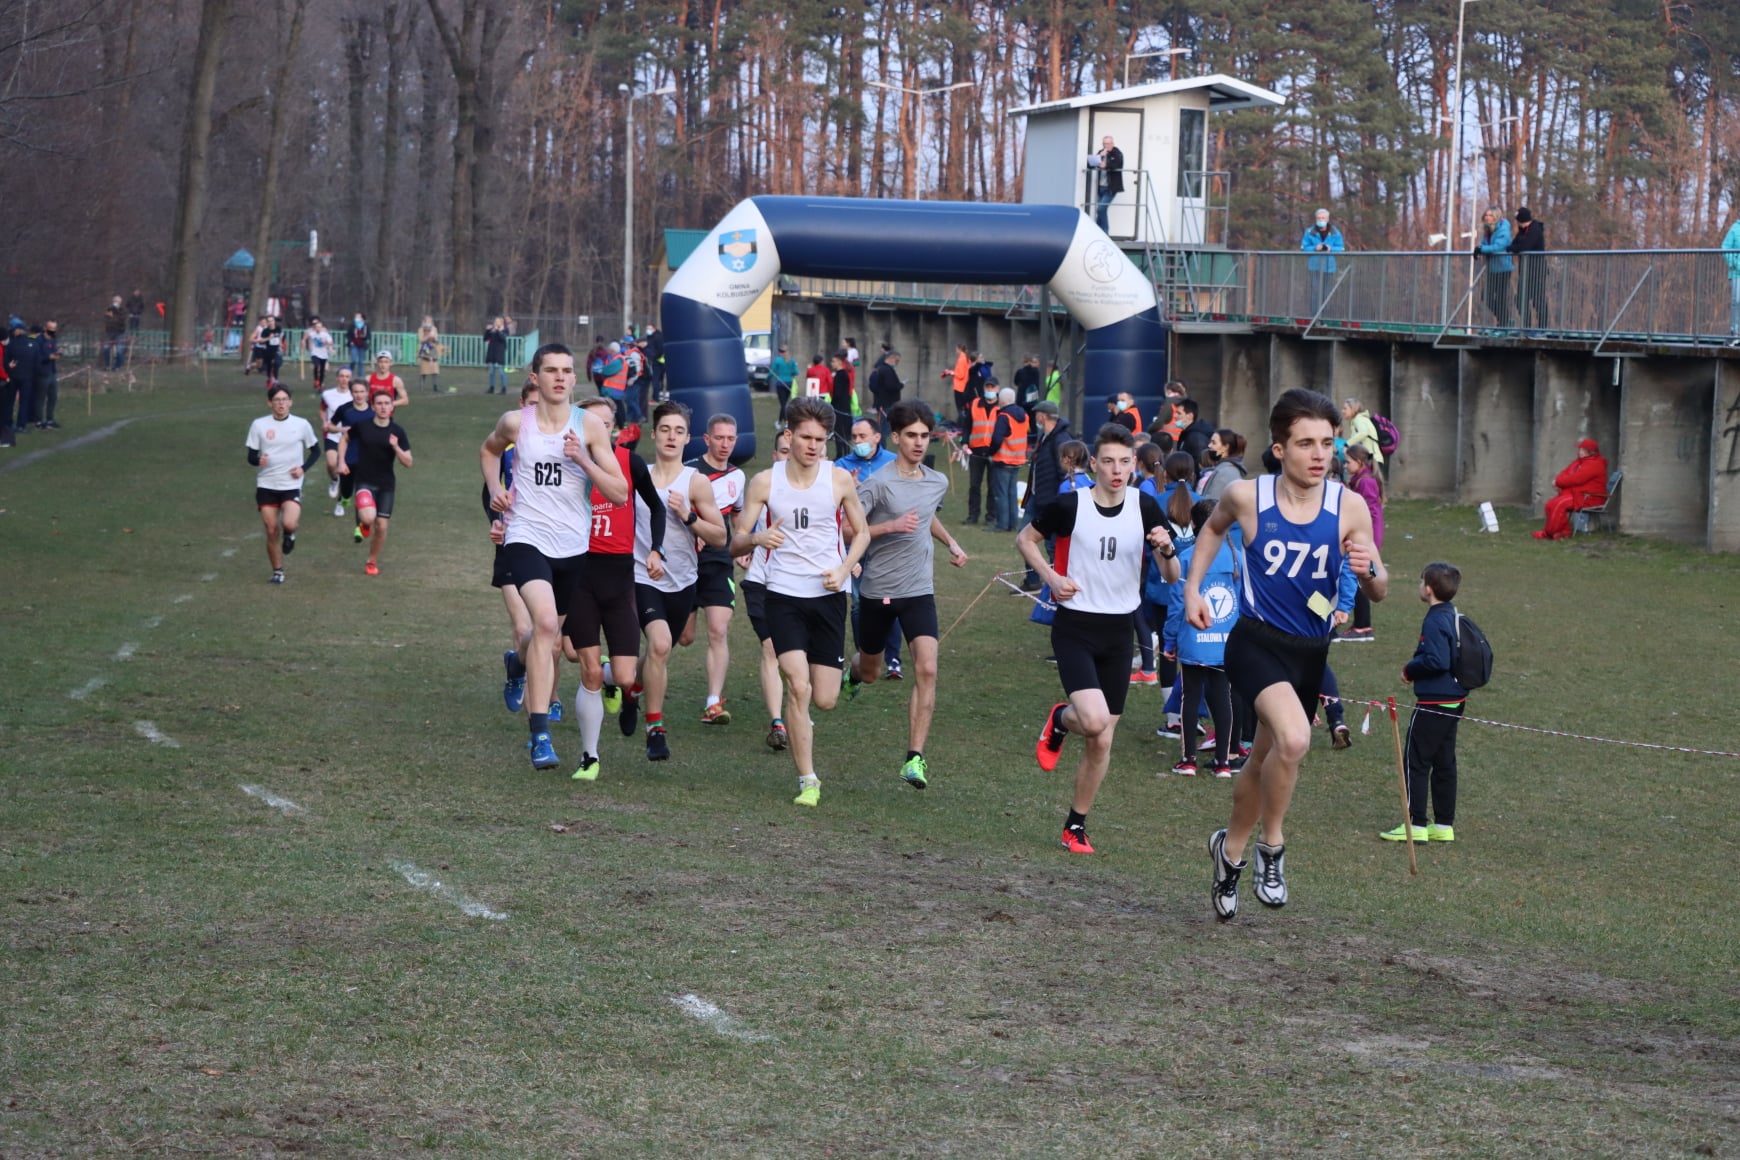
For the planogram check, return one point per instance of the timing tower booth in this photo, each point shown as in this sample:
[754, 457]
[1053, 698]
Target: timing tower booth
[1169, 196]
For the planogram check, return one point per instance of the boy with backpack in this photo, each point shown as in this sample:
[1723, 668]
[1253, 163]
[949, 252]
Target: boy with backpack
[1451, 658]
[1201, 652]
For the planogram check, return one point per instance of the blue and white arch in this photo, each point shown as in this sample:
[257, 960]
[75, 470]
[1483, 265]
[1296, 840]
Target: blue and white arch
[901, 241]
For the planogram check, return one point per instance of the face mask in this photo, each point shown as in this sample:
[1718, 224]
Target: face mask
[861, 450]
[1123, 406]
[1322, 223]
[990, 396]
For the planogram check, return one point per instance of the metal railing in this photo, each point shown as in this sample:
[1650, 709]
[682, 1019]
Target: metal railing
[89, 344]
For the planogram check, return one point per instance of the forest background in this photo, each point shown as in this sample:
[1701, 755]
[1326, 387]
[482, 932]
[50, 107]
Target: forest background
[465, 157]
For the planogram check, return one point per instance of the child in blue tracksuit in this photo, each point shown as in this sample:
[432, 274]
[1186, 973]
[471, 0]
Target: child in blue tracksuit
[1439, 701]
[1201, 652]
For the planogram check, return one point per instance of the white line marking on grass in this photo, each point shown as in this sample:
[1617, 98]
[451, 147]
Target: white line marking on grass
[87, 688]
[283, 805]
[154, 622]
[423, 880]
[149, 731]
[208, 577]
[99, 434]
[716, 1020]
[126, 651]
[181, 599]
[228, 552]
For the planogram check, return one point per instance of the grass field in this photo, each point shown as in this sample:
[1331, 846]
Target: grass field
[190, 968]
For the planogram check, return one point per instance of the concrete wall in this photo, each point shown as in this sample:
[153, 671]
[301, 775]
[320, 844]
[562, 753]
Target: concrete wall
[1664, 447]
[1244, 398]
[1196, 360]
[1360, 370]
[1495, 444]
[1298, 362]
[1425, 404]
[1575, 399]
[1724, 460]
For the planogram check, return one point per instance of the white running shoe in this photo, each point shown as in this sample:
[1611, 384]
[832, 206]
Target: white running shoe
[1271, 878]
[1224, 886]
[338, 509]
[332, 488]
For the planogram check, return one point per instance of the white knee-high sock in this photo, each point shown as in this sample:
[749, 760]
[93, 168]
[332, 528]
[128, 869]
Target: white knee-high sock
[589, 708]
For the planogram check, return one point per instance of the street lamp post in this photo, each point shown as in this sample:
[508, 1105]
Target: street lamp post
[1454, 166]
[918, 148]
[628, 203]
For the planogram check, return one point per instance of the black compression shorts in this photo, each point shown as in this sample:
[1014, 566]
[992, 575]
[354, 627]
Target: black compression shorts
[812, 625]
[915, 614]
[526, 564]
[383, 497]
[604, 603]
[755, 604]
[1259, 656]
[716, 585]
[1093, 651]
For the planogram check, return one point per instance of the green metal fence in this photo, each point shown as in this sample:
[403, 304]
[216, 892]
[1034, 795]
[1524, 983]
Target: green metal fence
[87, 344]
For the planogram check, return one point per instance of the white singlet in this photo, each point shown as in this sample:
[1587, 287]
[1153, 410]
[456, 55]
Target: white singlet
[682, 565]
[335, 401]
[1104, 555]
[810, 519]
[756, 573]
[552, 508]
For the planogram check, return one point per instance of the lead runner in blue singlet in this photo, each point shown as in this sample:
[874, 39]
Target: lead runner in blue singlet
[1298, 527]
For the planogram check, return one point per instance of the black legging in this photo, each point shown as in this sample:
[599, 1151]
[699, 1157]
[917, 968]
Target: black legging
[1197, 680]
[1151, 624]
[1498, 296]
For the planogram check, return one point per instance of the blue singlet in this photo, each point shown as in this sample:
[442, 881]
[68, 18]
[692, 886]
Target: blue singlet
[1286, 564]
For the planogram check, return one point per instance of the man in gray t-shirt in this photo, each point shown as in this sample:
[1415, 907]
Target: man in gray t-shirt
[900, 504]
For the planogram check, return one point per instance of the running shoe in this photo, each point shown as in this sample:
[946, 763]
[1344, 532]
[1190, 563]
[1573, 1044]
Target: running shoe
[1051, 737]
[277, 576]
[1171, 731]
[657, 748]
[809, 792]
[288, 542]
[1270, 876]
[1439, 833]
[1341, 737]
[1185, 768]
[853, 684]
[371, 569]
[716, 714]
[1207, 741]
[1238, 761]
[1354, 636]
[1400, 834]
[913, 772]
[332, 488]
[1076, 840]
[1222, 769]
[356, 534]
[513, 692]
[544, 753]
[612, 700]
[365, 530]
[1224, 885]
[338, 510]
[894, 673]
[628, 720]
[588, 770]
[777, 737]
[1144, 677]
[555, 712]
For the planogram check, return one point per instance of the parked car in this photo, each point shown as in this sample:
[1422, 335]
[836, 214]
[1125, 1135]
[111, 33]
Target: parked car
[757, 354]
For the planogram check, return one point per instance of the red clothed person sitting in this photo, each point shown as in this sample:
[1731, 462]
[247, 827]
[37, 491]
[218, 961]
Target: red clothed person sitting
[1581, 485]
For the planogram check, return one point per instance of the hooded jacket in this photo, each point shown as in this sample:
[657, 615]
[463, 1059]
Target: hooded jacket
[1429, 669]
[1204, 646]
[1585, 479]
[1330, 236]
[1045, 476]
[1731, 244]
[1496, 247]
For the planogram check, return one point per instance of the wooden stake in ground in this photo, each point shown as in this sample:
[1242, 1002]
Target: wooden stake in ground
[967, 609]
[1402, 777]
[90, 386]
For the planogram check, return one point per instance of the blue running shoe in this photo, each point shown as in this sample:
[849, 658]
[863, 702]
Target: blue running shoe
[544, 753]
[513, 693]
[555, 712]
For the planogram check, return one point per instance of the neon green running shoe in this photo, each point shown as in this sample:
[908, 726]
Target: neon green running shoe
[612, 700]
[913, 772]
[1441, 833]
[809, 792]
[1400, 834]
[588, 770]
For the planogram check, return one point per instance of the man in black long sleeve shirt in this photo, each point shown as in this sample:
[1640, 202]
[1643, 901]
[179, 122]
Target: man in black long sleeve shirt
[885, 385]
[1529, 244]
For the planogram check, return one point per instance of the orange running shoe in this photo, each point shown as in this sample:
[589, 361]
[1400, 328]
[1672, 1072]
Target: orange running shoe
[1075, 841]
[1051, 738]
[371, 569]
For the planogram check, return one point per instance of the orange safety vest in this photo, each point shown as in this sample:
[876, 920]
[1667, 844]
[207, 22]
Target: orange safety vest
[619, 380]
[1136, 413]
[984, 416]
[1013, 450]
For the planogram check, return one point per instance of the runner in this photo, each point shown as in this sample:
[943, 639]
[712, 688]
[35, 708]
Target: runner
[807, 573]
[896, 586]
[1097, 583]
[666, 601]
[381, 445]
[382, 381]
[1297, 530]
[513, 692]
[716, 588]
[333, 400]
[604, 597]
[283, 446]
[548, 517]
[356, 411]
[272, 332]
[755, 605]
[317, 342]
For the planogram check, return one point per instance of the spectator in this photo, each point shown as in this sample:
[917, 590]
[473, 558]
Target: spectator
[867, 456]
[885, 384]
[982, 422]
[1194, 439]
[818, 379]
[1731, 255]
[1530, 245]
[652, 344]
[613, 384]
[359, 345]
[48, 375]
[1110, 162]
[1583, 484]
[21, 357]
[1124, 412]
[1054, 385]
[1045, 472]
[1228, 448]
[429, 354]
[844, 397]
[8, 402]
[135, 309]
[1360, 430]
[495, 345]
[1494, 242]
[114, 335]
[1322, 241]
[1027, 383]
[639, 382]
[1171, 418]
[851, 347]
[962, 370]
[781, 374]
[1009, 442]
[1363, 478]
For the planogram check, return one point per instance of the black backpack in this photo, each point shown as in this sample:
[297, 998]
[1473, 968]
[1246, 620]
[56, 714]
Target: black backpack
[1472, 664]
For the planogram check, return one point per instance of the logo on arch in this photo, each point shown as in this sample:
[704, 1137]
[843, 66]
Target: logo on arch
[737, 251]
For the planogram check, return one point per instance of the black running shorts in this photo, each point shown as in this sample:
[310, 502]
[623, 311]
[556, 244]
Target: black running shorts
[383, 498]
[265, 497]
[671, 607]
[716, 585]
[915, 614]
[1259, 656]
[1093, 651]
[812, 625]
[500, 576]
[526, 564]
[604, 604]
[755, 604]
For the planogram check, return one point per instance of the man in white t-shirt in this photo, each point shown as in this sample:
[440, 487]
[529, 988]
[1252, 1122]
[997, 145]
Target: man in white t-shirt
[317, 342]
[283, 447]
[332, 402]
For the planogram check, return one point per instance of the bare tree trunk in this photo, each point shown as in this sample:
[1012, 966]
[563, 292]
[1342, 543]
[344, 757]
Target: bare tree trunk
[465, 61]
[115, 127]
[359, 41]
[194, 184]
[420, 283]
[259, 287]
[397, 33]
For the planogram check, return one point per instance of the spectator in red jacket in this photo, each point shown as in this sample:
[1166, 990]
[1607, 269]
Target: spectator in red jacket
[1581, 485]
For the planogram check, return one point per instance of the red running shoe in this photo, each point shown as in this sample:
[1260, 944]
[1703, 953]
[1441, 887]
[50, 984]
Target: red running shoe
[1075, 841]
[371, 569]
[1051, 737]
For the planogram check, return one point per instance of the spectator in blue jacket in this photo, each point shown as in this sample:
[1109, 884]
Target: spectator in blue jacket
[1494, 242]
[1731, 246]
[1201, 652]
[1322, 241]
[1439, 701]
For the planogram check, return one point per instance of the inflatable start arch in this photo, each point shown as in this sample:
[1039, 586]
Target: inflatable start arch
[917, 241]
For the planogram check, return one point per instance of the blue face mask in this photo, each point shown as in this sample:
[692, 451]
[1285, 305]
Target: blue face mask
[862, 450]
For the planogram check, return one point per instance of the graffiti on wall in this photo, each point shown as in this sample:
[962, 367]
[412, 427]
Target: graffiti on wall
[1731, 436]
